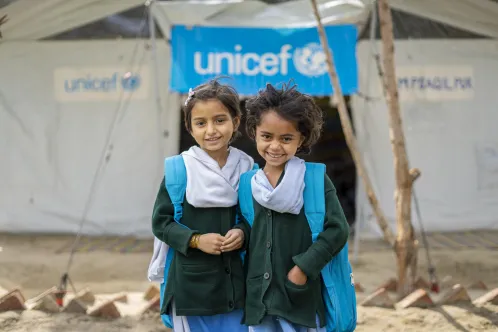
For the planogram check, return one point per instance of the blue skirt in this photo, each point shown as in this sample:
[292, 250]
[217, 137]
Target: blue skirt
[230, 322]
[277, 324]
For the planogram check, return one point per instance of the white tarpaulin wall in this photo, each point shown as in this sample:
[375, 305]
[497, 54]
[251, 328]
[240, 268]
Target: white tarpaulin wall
[54, 129]
[449, 104]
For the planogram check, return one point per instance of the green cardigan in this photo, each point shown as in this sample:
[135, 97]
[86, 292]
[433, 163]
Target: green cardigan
[278, 242]
[199, 283]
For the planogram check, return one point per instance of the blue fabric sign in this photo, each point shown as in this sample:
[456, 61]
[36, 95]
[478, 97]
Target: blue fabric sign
[253, 57]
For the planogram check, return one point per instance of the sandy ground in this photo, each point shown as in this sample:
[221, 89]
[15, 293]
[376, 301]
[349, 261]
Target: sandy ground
[31, 264]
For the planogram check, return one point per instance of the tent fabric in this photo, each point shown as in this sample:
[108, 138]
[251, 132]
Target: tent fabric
[477, 16]
[410, 26]
[448, 103]
[52, 140]
[33, 21]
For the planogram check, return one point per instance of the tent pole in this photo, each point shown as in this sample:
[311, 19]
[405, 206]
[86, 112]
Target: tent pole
[157, 96]
[152, 31]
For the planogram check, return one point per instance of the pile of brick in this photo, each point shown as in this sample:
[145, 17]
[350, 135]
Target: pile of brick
[83, 302]
[112, 305]
[421, 297]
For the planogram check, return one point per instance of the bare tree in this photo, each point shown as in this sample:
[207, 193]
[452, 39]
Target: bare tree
[348, 132]
[406, 244]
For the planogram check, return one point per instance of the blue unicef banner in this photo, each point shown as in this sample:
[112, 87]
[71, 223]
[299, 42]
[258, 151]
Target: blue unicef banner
[253, 57]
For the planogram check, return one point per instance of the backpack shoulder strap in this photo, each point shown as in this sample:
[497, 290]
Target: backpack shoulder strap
[175, 178]
[237, 218]
[245, 196]
[314, 197]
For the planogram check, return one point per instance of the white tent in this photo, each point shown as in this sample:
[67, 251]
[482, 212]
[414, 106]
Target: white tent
[448, 102]
[53, 147]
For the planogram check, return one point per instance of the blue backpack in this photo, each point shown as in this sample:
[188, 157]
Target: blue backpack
[338, 290]
[175, 175]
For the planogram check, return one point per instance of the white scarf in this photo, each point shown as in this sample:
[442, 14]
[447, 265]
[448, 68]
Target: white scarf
[208, 185]
[287, 197]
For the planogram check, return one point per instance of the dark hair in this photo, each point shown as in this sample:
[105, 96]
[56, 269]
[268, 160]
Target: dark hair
[291, 105]
[213, 89]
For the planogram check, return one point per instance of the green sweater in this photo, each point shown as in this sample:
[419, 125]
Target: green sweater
[200, 284]
[278, 242]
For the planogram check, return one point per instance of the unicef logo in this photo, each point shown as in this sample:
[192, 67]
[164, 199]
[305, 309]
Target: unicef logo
[130, 82]
[310, 60]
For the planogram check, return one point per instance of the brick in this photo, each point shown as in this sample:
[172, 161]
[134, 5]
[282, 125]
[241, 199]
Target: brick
[34, 300]
[121, 297]
[152, 305]
[421, 283]
[489, 297]
[390, 285]
[86, 296]
[47, 304]
[106, 309]
[358, 287]
[151, 292]
[457, 294]
[12, 301]
[418, 299]
[478, 285]
[379, 298]
[75, 306]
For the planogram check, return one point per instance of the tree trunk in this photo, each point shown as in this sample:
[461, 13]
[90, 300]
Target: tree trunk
[406, 246]
[349, 134]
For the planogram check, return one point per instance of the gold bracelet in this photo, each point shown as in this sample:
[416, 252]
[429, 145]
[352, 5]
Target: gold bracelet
[194, 241]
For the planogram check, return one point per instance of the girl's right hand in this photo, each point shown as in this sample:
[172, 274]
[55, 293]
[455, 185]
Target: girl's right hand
[210, 243]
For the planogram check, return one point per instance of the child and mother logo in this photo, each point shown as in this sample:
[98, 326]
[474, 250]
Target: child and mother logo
[128, 82]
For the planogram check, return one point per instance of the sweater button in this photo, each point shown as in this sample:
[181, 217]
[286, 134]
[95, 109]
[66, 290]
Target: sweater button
[266, 275]
[230, 304]
[227, 270]
[268, 244]
[269, 213]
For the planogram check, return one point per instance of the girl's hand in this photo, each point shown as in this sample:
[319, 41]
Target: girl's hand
[210, 243]
[297, 276]
[234, 239]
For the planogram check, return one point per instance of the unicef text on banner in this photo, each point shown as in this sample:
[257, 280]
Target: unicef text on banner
[253, 57]
[100, 84]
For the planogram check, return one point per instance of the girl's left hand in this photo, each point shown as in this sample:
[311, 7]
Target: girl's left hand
[297, 276]
[234, 239]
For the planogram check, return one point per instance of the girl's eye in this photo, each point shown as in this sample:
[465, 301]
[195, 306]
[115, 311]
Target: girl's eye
[266, 136]
[220, 120]
[199, 123]
[287, 139]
